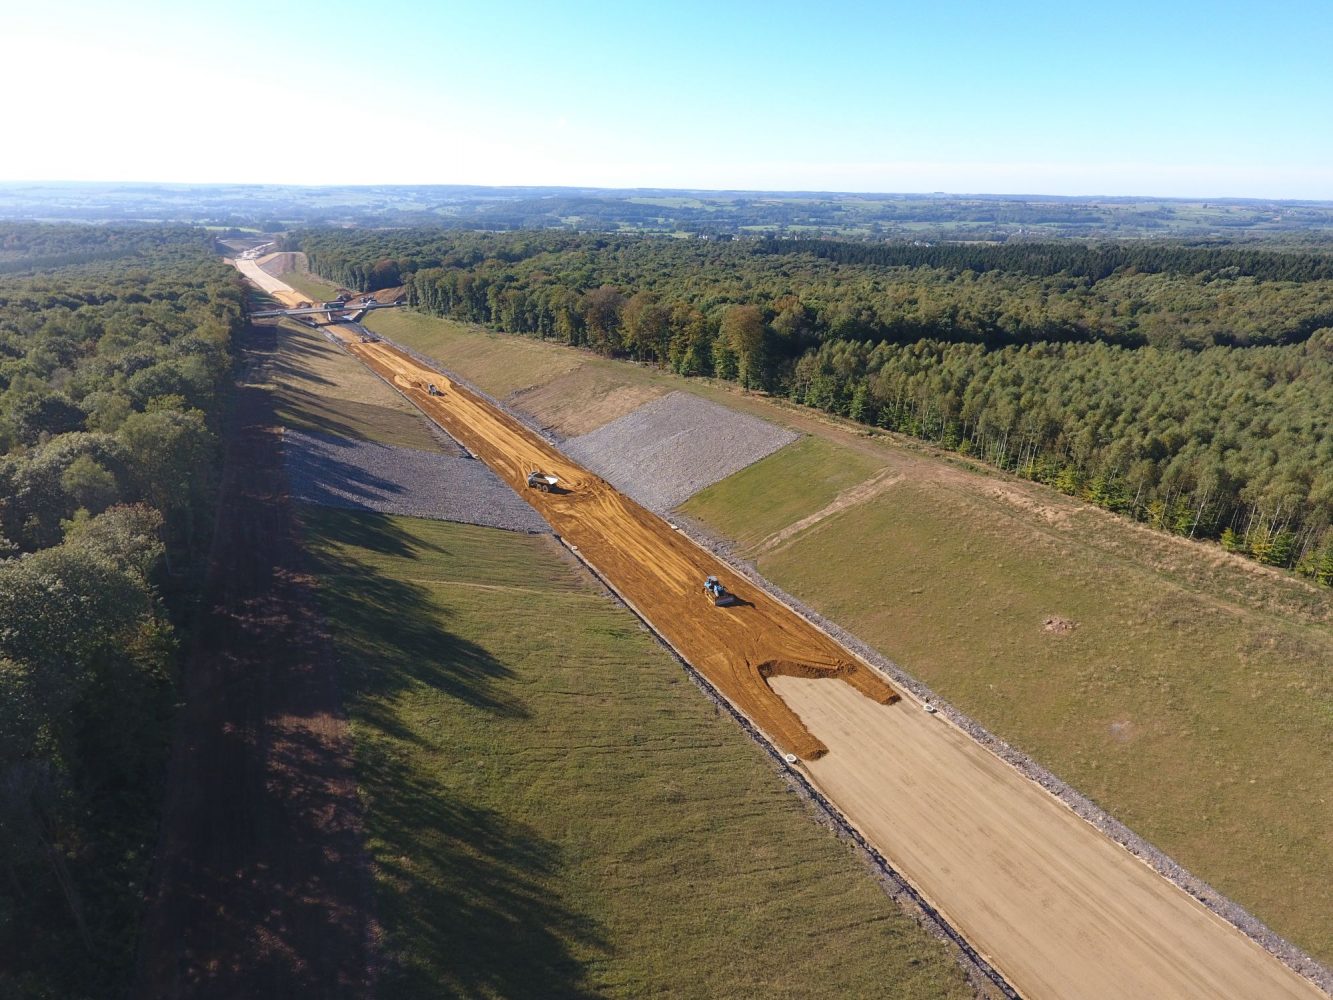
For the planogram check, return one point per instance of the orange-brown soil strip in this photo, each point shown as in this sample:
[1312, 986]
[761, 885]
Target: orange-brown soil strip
[658, 570]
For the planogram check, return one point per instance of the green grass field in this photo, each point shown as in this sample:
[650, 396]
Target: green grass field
[320, 388]
[555, 810]
[316, 288]
[510, 366]
[495, 362]
[310, 285]
[776, 491]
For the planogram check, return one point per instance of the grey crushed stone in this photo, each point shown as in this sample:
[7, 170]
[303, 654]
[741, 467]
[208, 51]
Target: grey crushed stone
[363, 475]
[671, 448]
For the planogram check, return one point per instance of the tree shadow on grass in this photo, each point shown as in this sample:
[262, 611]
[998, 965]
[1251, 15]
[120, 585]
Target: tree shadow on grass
[388, 629]
[363, 529]
[464, 895]
[297, 407]
[288, 369]
[464, 892]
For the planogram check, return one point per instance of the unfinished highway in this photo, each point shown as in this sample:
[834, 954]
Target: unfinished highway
[1057, 907]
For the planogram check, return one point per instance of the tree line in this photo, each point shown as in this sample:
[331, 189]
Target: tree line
[1191, 388]
[32, 247]
[1077, 260]
[112, 384]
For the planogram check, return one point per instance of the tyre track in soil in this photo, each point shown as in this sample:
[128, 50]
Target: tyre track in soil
[1058, 908]
[262, 885]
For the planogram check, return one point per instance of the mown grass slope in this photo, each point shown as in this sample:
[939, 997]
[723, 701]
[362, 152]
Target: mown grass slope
[570, 390]
[320, 388]
[555, 810]
[1199, 722]
[299, 276]
[795, 482]
[313, 286]
[496, 362]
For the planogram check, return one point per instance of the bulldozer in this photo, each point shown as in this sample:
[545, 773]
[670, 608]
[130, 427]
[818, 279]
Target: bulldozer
[718, 594]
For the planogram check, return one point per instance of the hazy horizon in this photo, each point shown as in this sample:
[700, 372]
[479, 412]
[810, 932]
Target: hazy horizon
[943, 195]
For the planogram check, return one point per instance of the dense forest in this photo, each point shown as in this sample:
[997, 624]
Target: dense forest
[1187, 387]
[112, 383]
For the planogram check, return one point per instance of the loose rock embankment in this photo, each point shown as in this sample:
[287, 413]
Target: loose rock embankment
[668, 450]
[362, 475]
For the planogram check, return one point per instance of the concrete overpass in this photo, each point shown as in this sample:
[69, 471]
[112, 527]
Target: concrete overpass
[341, 310]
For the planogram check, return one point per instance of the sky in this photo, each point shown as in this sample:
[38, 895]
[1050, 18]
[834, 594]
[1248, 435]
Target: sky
[1176, 98]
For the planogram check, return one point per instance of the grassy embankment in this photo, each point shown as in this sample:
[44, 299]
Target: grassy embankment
[308, 284]
[1197, 717]
[320, 388]
[571, 391]
[554, 810]
[1191, 701]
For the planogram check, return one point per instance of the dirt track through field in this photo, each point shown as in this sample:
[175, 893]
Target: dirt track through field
[859, 493]
[1057, 907]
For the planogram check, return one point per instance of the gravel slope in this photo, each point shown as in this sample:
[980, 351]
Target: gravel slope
[362, 475]
[668, 450]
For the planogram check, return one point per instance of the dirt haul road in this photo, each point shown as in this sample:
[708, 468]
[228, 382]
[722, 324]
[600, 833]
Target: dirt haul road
[1057, 907]
[276, 287]
[658, 570]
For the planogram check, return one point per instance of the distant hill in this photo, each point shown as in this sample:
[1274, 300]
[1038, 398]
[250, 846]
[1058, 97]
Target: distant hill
[925, 217]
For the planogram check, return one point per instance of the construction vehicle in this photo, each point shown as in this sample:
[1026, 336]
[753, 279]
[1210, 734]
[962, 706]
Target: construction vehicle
[720, 596]
[430, 388]
[539, 480]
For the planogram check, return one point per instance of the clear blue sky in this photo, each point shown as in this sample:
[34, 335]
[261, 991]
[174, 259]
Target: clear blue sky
[1165, 98]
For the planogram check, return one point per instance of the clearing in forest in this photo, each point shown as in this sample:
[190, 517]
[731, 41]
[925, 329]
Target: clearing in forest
[1189, 702]
[977, 837]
